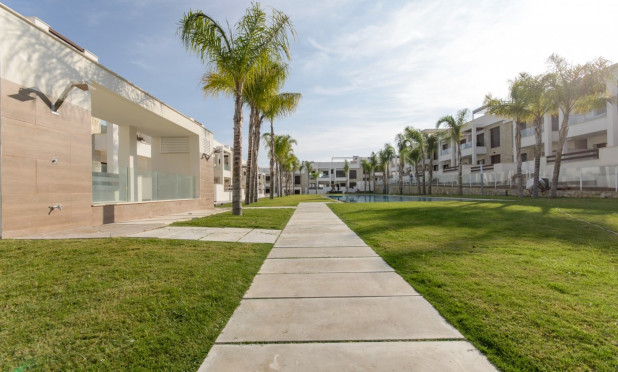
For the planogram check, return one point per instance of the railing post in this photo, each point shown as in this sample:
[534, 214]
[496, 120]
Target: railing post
[581, 181]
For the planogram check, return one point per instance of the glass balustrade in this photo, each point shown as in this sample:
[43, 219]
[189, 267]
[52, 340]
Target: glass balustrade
[141, 185]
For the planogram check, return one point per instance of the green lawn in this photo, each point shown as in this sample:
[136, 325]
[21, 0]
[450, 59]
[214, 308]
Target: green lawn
[274, 219]
[531, 287]
[286, 201]
[118, 304]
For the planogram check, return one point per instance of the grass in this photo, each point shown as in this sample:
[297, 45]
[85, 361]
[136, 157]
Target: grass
[285, 201]
[274, 219]
[531, 287]
[118, 304]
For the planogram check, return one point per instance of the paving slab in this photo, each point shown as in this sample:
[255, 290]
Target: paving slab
[319, 240]
[190, 233]
[336, 319]
[324, 265]
[329, 285]
[261, 236]
[312, 230]
[454, 356]
[226, 235]
[320, 252]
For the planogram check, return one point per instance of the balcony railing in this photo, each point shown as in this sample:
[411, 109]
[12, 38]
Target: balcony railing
[588, 116]
[576, 155]
[530, 131]
[467, 145]
[445, 151]
[149, 186]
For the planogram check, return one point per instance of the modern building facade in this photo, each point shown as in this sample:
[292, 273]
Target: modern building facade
[82, 146]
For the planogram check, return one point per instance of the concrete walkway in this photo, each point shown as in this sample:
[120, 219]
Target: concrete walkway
[324, 301]
[157, 227]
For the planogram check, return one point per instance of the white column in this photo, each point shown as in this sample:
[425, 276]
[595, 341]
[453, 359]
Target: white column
[112, 148]
[547, 134]
[473, 145]
[612, 118]
[127, 156]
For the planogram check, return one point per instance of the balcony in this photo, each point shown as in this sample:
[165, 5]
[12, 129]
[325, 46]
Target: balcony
[588, 116]
[576, 155]
[445, 151]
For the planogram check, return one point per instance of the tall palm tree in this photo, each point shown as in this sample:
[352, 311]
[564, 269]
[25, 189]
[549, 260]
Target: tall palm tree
[236, 55]
[278, 106]
[432, 140]
[401, 141]
[517, 109]
[454, 132]
[535, 90]
[373, 161]
[308, 167]
[418, 137]
[346, 169]
[413, 155]
[575, 89]
[366, 166]
[386, 155]
[315, 174]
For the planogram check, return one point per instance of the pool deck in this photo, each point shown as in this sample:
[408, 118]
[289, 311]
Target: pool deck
[325, 301]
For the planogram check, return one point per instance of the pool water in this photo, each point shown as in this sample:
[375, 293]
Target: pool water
[377, 198]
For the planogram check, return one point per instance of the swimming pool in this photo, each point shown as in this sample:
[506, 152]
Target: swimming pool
[377, 198]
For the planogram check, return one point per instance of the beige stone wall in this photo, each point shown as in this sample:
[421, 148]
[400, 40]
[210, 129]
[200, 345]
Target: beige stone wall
[31, 137]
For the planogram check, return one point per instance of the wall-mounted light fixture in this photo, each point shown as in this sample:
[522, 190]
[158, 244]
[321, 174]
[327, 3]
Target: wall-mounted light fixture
[73, 84]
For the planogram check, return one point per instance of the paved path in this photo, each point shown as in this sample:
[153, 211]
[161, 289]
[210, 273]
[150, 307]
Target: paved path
[324, 301]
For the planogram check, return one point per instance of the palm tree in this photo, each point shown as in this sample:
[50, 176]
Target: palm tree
[431, 146]
[366, 171]
[413, 155]
[346, 169]
[535, 89]
[386, 155]
[417, 136]
[277, 106]
[373, 161]
[517, 109]
[454, 132]
[236, 55]
[401, 141]
[308, 167]
[315, 174]
[575, 89]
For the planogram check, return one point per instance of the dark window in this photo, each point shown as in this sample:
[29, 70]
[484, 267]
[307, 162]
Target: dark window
[435, 167]
[482, 161]
[555, 125]
[340, 173]
[445, 146]
[352, 184]
[480, 139]
[353, 174]
[495, 159]
[524, 157]
[495, 137]
[297, 180]
[267, 178]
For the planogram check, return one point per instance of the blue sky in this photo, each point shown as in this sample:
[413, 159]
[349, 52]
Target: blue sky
[366, 69]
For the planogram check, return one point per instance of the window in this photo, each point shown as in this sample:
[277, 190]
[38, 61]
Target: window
[495, 137]
[524, 157]
[353, 174]
[267, 178]
[495, 159]
[480, 139]
[555, 125]
[297, 180]
[340, 173]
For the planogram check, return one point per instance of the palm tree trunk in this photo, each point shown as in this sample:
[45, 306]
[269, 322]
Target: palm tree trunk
[237, 172]
[250, 136]
[418, 178]
[537, 157]
[272, 161]
[564, 131]
[256, 152]
[400, 175]
[459, 176]
[430, 172]
[520, 177]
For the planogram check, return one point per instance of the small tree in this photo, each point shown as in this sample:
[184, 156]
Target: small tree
[346, 169]
[454, 132]
[575, 89]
